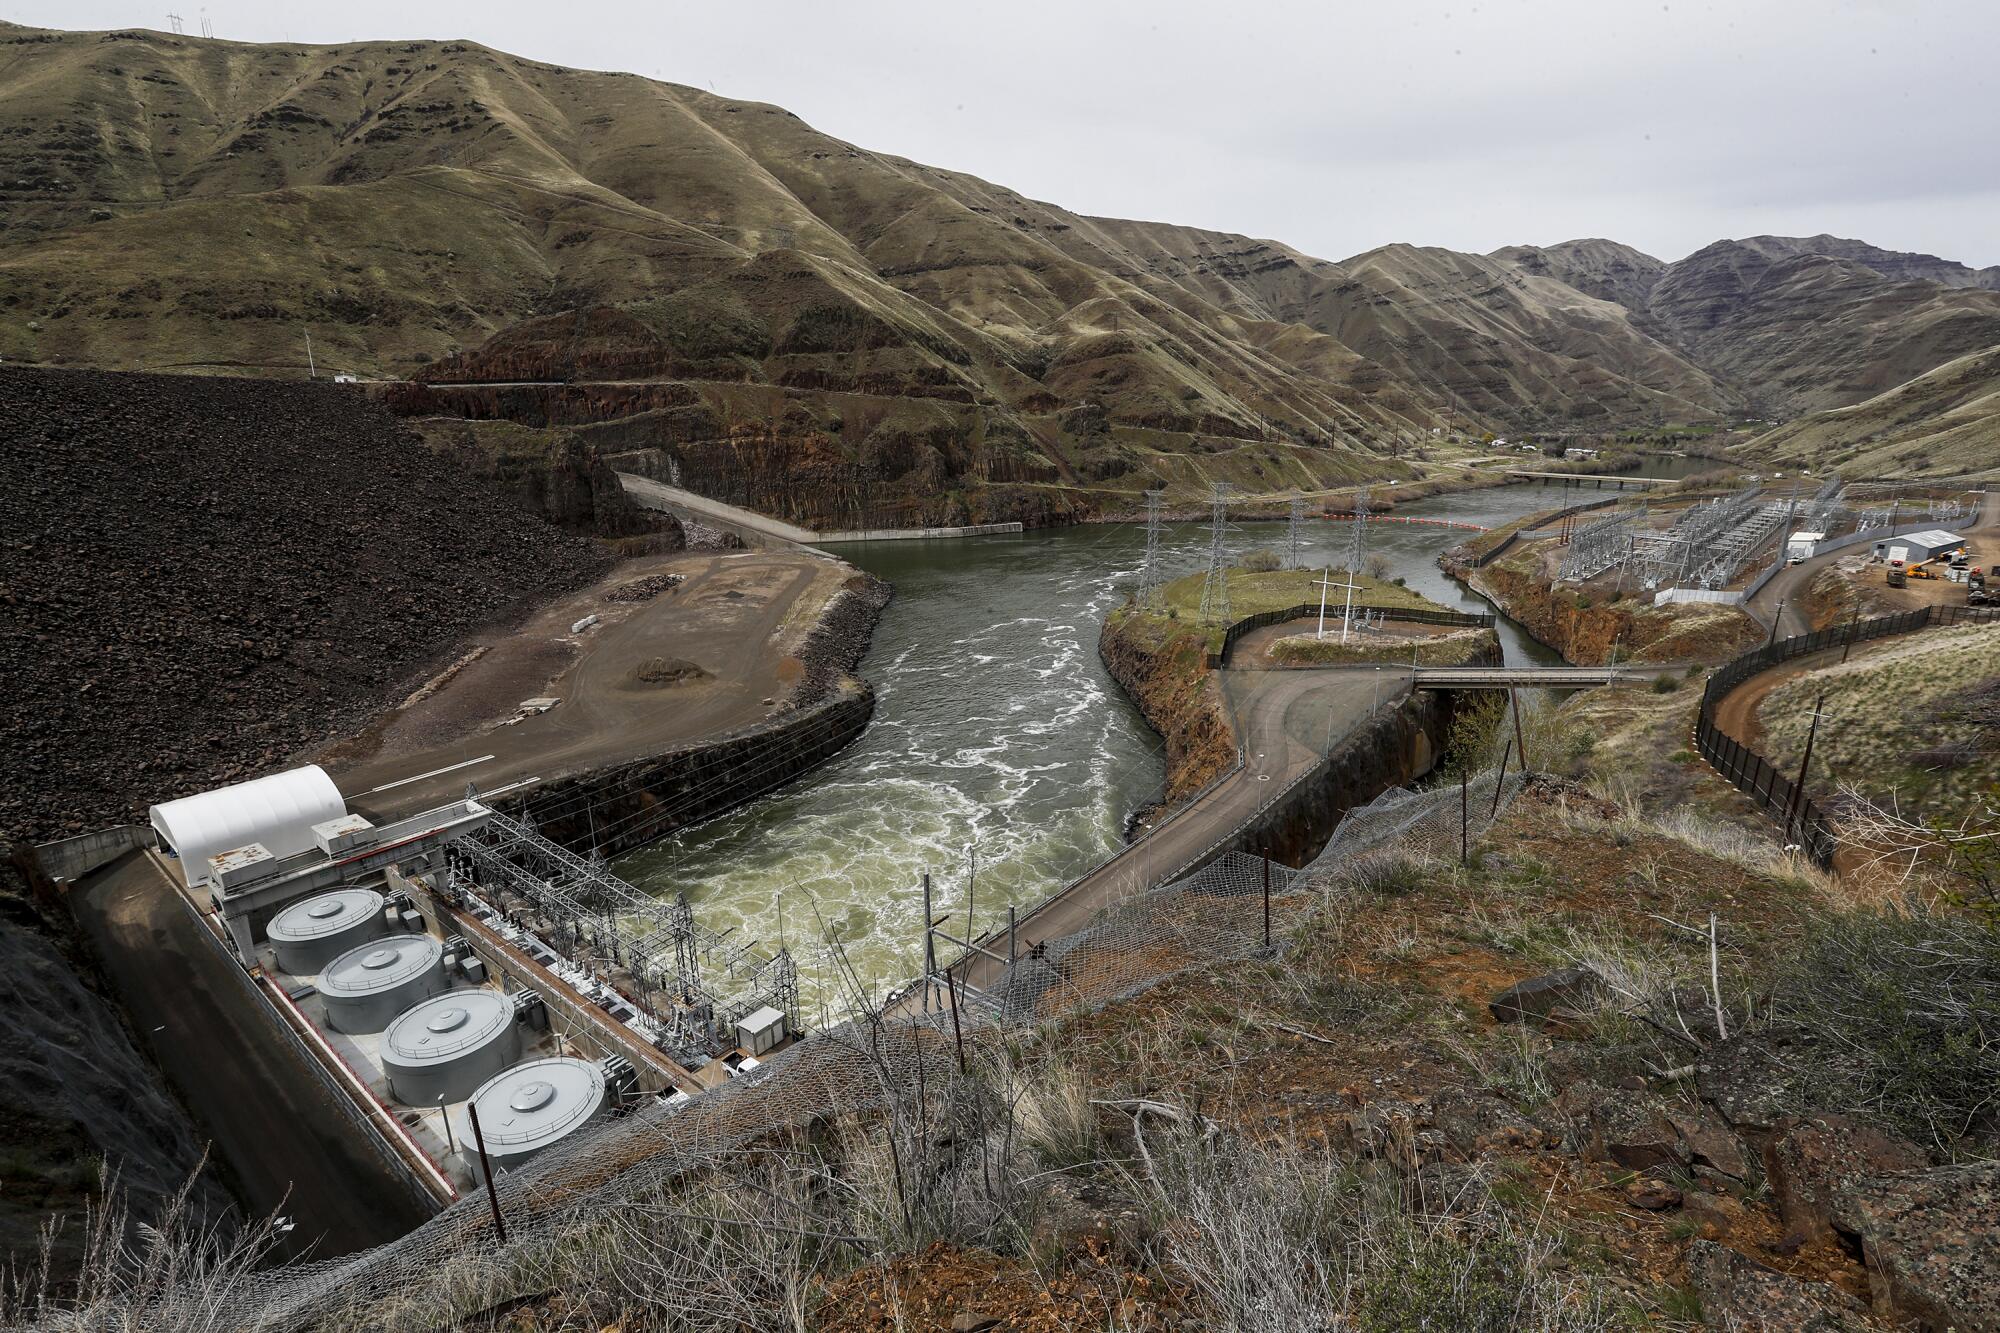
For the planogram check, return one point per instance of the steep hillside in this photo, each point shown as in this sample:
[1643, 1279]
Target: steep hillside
[1942, 423]
[1604, 269]
[1801, 331]
[1895, 265]
[438, 209]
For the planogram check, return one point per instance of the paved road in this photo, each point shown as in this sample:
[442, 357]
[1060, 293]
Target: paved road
[739, 616]
[658, 495]
[1288, 719]
[275, 1130]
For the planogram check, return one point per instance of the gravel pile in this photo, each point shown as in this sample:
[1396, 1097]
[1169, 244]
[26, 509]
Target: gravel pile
[200, 577]
[646, 589]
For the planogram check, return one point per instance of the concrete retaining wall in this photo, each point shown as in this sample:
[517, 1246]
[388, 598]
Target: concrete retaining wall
[620, 808]
[73, 858]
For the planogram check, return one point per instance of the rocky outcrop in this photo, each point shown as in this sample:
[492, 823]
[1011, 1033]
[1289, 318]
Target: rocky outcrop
[203, 576]
[1587, 632]
[555, 474]
[1738, 1293]
[1167, 676]
[1932, 1239]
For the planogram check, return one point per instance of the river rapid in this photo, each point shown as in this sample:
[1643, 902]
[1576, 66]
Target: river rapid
[999, 743]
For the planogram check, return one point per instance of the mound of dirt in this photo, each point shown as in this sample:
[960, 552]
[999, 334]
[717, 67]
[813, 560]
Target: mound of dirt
[200, 577]
[668, 671]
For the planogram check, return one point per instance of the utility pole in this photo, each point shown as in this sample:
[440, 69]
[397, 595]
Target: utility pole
[1796, 806]
[486, 1169]
[1323, 584]
[930, 950]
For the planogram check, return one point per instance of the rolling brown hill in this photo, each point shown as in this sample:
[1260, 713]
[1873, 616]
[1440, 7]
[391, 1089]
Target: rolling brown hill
[728, 295]
[443, 208]
[1945, 422]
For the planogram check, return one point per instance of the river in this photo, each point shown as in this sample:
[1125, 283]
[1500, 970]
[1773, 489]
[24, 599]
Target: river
[997, 736]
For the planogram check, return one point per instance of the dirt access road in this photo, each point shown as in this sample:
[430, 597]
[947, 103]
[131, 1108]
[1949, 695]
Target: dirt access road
[741, 617]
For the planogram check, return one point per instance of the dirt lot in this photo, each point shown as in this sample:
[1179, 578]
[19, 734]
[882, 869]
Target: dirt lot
[713, 653]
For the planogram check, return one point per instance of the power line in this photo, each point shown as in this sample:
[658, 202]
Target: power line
[1150, 578]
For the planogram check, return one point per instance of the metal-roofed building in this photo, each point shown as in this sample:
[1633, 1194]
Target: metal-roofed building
[1918, 547]
[278, 812]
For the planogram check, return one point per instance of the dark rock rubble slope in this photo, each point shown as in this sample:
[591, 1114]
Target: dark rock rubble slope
[199, 577]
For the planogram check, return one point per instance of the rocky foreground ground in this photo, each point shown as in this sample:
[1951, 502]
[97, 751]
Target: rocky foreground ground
[202, 576]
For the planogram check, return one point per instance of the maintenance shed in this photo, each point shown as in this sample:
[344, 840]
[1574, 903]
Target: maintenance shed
[1919, 546]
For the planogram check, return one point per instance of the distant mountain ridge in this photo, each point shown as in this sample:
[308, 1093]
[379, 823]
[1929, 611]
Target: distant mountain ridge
[443, 211]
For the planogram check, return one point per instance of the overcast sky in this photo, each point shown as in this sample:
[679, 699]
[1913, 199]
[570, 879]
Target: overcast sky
[1333, 127]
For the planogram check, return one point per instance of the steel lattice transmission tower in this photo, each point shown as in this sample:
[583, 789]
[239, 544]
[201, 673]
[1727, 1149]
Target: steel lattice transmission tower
[1294, 522]
[1354, 557]
[1215, 587]
[1151, 577]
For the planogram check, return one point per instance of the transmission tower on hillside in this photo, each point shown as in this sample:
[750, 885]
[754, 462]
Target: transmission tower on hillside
[1151, 577]
[1295, 521]
[1215, 587]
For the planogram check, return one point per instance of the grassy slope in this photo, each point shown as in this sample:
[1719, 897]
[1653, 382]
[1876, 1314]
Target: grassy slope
[1942, 423]
[1894, 721]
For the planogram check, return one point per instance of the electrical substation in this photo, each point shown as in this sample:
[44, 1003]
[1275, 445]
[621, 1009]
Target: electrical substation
[478, 993]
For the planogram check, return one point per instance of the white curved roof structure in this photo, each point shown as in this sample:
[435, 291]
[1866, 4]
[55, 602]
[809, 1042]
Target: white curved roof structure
[277, 811]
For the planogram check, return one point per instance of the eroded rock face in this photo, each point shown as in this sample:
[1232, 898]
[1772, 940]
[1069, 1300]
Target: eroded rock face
[1932, 1239]
[1811, 1160]
[1739, 1294]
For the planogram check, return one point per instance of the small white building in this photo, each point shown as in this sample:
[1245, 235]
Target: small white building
[1801, 545]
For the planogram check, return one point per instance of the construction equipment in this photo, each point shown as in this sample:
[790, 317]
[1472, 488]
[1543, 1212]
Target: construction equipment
[1896, 579]
[1921, 570]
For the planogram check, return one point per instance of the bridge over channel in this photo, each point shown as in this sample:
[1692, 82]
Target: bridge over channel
[1524, 678]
